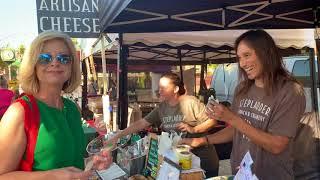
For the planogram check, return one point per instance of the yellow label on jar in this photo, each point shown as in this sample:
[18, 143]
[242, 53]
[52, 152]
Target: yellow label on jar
[185, 160]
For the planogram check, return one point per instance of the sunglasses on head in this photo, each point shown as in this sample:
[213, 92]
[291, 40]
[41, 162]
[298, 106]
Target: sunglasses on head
[46, 58]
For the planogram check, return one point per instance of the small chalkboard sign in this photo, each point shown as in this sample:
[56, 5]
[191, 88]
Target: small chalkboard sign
[152, 162]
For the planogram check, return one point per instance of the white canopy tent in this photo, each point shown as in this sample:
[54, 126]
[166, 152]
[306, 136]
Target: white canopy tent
[284, 38]
[296, 38]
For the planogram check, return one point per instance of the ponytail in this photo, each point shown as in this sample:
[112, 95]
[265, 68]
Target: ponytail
[176, 80]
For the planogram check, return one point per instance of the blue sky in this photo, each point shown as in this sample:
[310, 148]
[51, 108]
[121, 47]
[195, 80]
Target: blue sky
[18, 22]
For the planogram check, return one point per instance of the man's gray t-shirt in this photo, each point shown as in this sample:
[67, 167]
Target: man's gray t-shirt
[189, 110]
[277, 114]
[192, 112]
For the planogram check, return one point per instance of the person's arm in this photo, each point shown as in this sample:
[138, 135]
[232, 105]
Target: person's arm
[204, 123]
[135, 127]
[272, 143]
[38, 175]
[12, 147]
[13, 140]
[55, 174]
[151, 118]
[223, 136]
[203, 127]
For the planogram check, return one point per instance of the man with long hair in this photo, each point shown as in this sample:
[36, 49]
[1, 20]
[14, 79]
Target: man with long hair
[265, 112]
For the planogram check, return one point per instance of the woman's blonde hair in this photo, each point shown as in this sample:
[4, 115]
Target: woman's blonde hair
[27, 75]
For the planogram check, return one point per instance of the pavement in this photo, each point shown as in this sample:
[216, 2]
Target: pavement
[224, 167]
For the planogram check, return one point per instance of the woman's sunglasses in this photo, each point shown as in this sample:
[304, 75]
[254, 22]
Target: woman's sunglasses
[46, 58]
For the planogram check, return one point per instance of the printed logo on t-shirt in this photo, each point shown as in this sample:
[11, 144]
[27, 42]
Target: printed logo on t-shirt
[254, 112]
[243, 135]
[170, 122]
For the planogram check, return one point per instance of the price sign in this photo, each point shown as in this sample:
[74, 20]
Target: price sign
[152, 162]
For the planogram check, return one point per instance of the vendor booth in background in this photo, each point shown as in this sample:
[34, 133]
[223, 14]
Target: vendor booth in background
[96, 106]
[150, 157]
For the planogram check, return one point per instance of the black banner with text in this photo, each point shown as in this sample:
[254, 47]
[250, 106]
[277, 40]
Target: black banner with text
[77, 18]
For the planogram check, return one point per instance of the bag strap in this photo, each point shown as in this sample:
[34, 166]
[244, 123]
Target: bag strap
[31, 126]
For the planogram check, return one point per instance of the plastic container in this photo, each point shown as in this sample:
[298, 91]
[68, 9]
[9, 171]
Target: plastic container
[183, 147]
[185, 160]
[179, 148]
[211, 101]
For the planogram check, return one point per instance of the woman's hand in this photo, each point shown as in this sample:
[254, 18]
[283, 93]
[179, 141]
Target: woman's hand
[101, 127]
[102, 160]
[69, 173]
[183, 127]
[194, 142]
[220, 112]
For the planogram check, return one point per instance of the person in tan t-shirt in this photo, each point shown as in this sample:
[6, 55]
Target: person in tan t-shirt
[265, 112]
[181, 113]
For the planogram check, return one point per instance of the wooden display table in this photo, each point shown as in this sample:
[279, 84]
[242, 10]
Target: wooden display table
[191, 176]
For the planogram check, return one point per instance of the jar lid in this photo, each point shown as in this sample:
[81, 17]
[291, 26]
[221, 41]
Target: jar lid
[185, 153]
[183, 146]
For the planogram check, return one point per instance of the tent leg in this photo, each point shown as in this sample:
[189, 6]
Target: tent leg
[122, 113]
[318, 66]
[313, 79]
[84, 99]
[203, 85]
[318, 57]
[180, 64]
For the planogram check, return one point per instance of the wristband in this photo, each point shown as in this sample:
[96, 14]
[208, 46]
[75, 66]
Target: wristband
[207, 139]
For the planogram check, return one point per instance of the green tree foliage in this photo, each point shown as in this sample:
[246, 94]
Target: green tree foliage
[20, 51]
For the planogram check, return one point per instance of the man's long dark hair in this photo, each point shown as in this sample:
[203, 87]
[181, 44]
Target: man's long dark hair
[176, 80]
[268, 53]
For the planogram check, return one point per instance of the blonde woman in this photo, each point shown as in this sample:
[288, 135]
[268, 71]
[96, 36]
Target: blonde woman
[49, 68]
